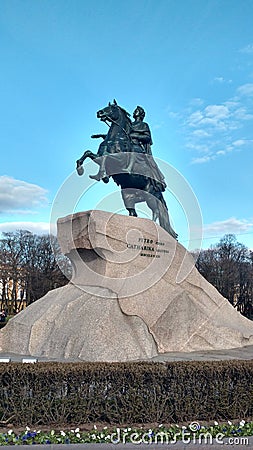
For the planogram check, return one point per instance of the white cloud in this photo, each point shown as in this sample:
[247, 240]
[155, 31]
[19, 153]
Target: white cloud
[173, 115]
[201, 133]
[214, 130]
[247, 49]
[246, 90]
[240, 142]
[219, 79]
[213, 116]
[202, 159]
[231, 225]
[217, 111]
[222, 80]
[18, 195]
[217, 129]
[200, 148]
[220, 152]
[242, 114]
[196, 101]
[195, 118]
[231, 104]
[212, 154]
[34, 227]
[212, 122]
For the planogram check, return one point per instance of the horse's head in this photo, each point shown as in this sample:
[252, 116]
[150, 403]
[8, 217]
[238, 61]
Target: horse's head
[110, 112]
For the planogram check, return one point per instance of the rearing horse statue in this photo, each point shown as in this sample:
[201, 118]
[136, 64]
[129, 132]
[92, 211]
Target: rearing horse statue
[133, 169]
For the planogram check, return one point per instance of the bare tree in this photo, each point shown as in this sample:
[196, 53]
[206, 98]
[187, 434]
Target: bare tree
[29, 267]
[229, 267]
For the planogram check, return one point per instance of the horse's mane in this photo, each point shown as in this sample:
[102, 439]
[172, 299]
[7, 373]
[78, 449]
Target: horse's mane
[126, 114]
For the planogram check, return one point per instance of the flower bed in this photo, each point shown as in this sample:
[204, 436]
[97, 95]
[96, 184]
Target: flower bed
[161, 434]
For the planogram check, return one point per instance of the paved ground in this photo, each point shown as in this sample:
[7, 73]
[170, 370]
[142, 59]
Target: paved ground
[178, 446]
[208, 355]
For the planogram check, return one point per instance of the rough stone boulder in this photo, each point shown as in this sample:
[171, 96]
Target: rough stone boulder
[135, 293]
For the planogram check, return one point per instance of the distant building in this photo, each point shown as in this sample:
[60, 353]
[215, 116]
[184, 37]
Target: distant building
[12, 291]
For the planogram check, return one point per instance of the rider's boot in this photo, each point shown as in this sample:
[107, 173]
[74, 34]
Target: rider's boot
[98, 176]
[101, 175]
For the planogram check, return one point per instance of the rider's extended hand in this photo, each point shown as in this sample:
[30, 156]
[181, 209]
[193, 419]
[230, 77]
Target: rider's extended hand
[96, 136]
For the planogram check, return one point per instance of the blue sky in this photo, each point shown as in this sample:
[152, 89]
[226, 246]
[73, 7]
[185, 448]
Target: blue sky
[189, 63]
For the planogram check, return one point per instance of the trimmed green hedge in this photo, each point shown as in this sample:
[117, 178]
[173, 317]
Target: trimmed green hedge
[138, 392]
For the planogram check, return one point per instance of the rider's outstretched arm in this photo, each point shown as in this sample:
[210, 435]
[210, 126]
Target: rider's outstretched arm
[96, 136]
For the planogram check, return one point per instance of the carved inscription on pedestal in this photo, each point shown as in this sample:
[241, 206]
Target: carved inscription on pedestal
[149, 248]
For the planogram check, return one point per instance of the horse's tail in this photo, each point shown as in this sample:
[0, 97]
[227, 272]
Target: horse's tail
[163, 216]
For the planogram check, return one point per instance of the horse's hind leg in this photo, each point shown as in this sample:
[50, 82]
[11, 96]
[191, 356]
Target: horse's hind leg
[132, 212]
[128, 196]
[152, 203]
[155, 215]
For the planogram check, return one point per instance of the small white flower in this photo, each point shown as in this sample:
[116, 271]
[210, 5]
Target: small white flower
[183, 427]
[242, 423]
[105, 428]
[129, 429]
[95, 427]
[161, 425]
[63, 433]
[10, 432]
[229, 423]
[71, 431]
[215, 423]
[77, 430]
[78, 435]
[27, 428]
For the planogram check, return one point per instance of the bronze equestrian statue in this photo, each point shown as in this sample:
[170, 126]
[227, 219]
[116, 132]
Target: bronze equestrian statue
[125, 156]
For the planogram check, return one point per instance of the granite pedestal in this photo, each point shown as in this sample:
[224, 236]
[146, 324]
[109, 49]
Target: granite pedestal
[135, 294]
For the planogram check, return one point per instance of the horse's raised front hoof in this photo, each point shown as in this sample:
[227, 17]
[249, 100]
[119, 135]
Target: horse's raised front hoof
[105, 179]
[80, 170]
[86, 154]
